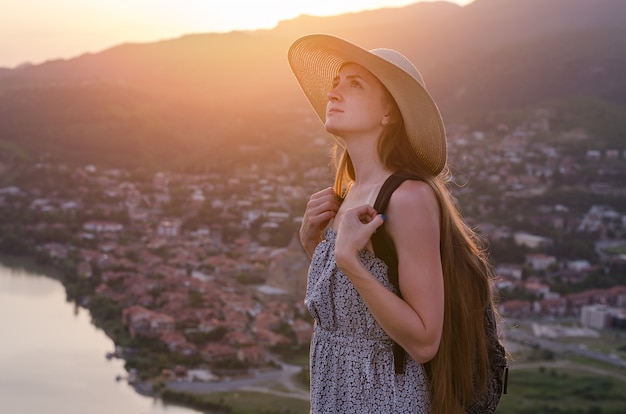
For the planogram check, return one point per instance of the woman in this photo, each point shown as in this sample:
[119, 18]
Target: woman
[375, 105]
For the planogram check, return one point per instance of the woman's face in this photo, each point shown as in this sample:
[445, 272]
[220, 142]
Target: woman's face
[357, 103]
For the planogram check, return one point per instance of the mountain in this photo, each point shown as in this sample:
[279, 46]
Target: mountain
[167, 101]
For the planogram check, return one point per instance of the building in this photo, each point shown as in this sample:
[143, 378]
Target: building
[102, 226]
[540, 261]
[600, 316]
[142, 321]
[288, 270]
[530, 240]
[169, 228]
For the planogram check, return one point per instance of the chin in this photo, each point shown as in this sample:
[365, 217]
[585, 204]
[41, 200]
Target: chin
[328, 126]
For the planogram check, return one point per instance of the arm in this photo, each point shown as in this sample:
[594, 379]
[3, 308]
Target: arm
[415, 321]
[320, 209]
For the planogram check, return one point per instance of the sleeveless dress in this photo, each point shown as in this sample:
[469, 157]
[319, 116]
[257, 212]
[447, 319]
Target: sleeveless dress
[352, 368]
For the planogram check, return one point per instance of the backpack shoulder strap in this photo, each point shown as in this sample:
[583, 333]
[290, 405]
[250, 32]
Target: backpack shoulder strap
[387, 189]
[386, 250]
[381, 242]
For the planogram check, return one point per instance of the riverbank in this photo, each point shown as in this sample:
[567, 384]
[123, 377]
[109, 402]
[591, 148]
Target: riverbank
[277, 383]
[53, 358]
[29, 264]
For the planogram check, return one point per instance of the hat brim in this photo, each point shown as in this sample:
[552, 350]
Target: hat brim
[316, 59]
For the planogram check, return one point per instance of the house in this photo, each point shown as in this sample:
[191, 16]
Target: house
[531, 241]
[578, 265]
[540, 261]
[144, 322]
[84, 270]
[539, 289]
[176, 342]
[55, 250]
[161, 323]
[267, 320]
[617, 296]
[137, 319]
[515, 308]
[252, 355]
[512, 271]
[169, 228]
[594, 316]
[576, 301]
[239, 339]
[215, 351]
[102, 226]
[593, 155]
[551, 306]
[303, 331]
[268, 338]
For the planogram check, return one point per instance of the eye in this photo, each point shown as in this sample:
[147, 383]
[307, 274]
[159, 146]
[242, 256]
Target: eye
[355, 84]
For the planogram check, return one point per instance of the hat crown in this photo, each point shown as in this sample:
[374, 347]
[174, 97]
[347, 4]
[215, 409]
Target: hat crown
[398, 59]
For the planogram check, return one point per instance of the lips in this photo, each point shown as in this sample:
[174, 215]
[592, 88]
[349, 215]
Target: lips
[331, 111]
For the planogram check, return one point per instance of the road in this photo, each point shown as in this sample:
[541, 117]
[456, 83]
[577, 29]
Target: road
[543, 343]
[258, 381]
[281, 381]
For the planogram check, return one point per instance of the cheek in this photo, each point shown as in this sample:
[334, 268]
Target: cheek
[376, 111]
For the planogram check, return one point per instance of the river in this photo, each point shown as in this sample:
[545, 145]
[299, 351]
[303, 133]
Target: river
[52, 358]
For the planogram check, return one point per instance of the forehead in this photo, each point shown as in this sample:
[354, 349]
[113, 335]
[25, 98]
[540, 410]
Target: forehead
[354, 69]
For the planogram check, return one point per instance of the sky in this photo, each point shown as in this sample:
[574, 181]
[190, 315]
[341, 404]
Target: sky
[35, 31]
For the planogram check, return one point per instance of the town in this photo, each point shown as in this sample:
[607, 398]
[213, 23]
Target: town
[209, 265]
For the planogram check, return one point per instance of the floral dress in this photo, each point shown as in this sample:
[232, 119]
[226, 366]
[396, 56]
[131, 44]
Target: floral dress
[352, 369]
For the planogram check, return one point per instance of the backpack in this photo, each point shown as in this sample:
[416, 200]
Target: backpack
[498, 366]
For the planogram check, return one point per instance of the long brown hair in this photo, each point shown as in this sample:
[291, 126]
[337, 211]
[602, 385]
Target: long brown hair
[460, 368]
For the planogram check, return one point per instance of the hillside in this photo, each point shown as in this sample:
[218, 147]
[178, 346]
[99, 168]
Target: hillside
[156, 103]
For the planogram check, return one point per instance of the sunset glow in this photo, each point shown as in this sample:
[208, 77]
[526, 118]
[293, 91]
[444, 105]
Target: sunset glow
[39, 30]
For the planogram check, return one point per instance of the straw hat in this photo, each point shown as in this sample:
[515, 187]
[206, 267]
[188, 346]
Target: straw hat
[316, 59]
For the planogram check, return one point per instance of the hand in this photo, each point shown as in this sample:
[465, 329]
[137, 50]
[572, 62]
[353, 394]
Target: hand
[355, 230]
[320, 209]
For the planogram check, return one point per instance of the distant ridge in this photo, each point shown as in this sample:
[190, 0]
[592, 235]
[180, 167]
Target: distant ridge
[170, 96]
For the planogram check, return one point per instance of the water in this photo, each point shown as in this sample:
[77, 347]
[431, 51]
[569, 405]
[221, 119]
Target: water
[52, 359]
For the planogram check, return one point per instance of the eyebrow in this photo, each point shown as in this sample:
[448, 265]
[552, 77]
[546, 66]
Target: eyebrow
[349, 77]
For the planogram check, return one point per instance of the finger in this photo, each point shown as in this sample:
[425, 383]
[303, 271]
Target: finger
[327, 193]
[322, 206]
[364, 210]
[319, 220]
[375, 222]
[323, 196]
[321, 212]
[367, 217]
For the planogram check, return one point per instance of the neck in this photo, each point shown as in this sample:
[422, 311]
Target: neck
[368, 168]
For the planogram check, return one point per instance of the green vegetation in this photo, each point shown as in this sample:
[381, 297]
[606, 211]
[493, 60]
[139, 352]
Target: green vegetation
[563, 390]
[199, 402]
[293, 354]
[149, 357]
[239, 402]
[202, 338]
[14, 149]
[600, 118]
[545, 386]
[617, 250]
[304, 378]
[107, 315]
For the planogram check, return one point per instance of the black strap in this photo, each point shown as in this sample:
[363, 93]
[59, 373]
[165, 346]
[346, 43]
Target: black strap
[386, 250]
[381, 242]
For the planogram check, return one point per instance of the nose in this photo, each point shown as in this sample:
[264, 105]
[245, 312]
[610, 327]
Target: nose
[333, 94]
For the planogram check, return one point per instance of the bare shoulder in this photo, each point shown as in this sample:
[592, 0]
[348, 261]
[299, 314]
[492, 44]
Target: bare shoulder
[413, 210]
[413, 195]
